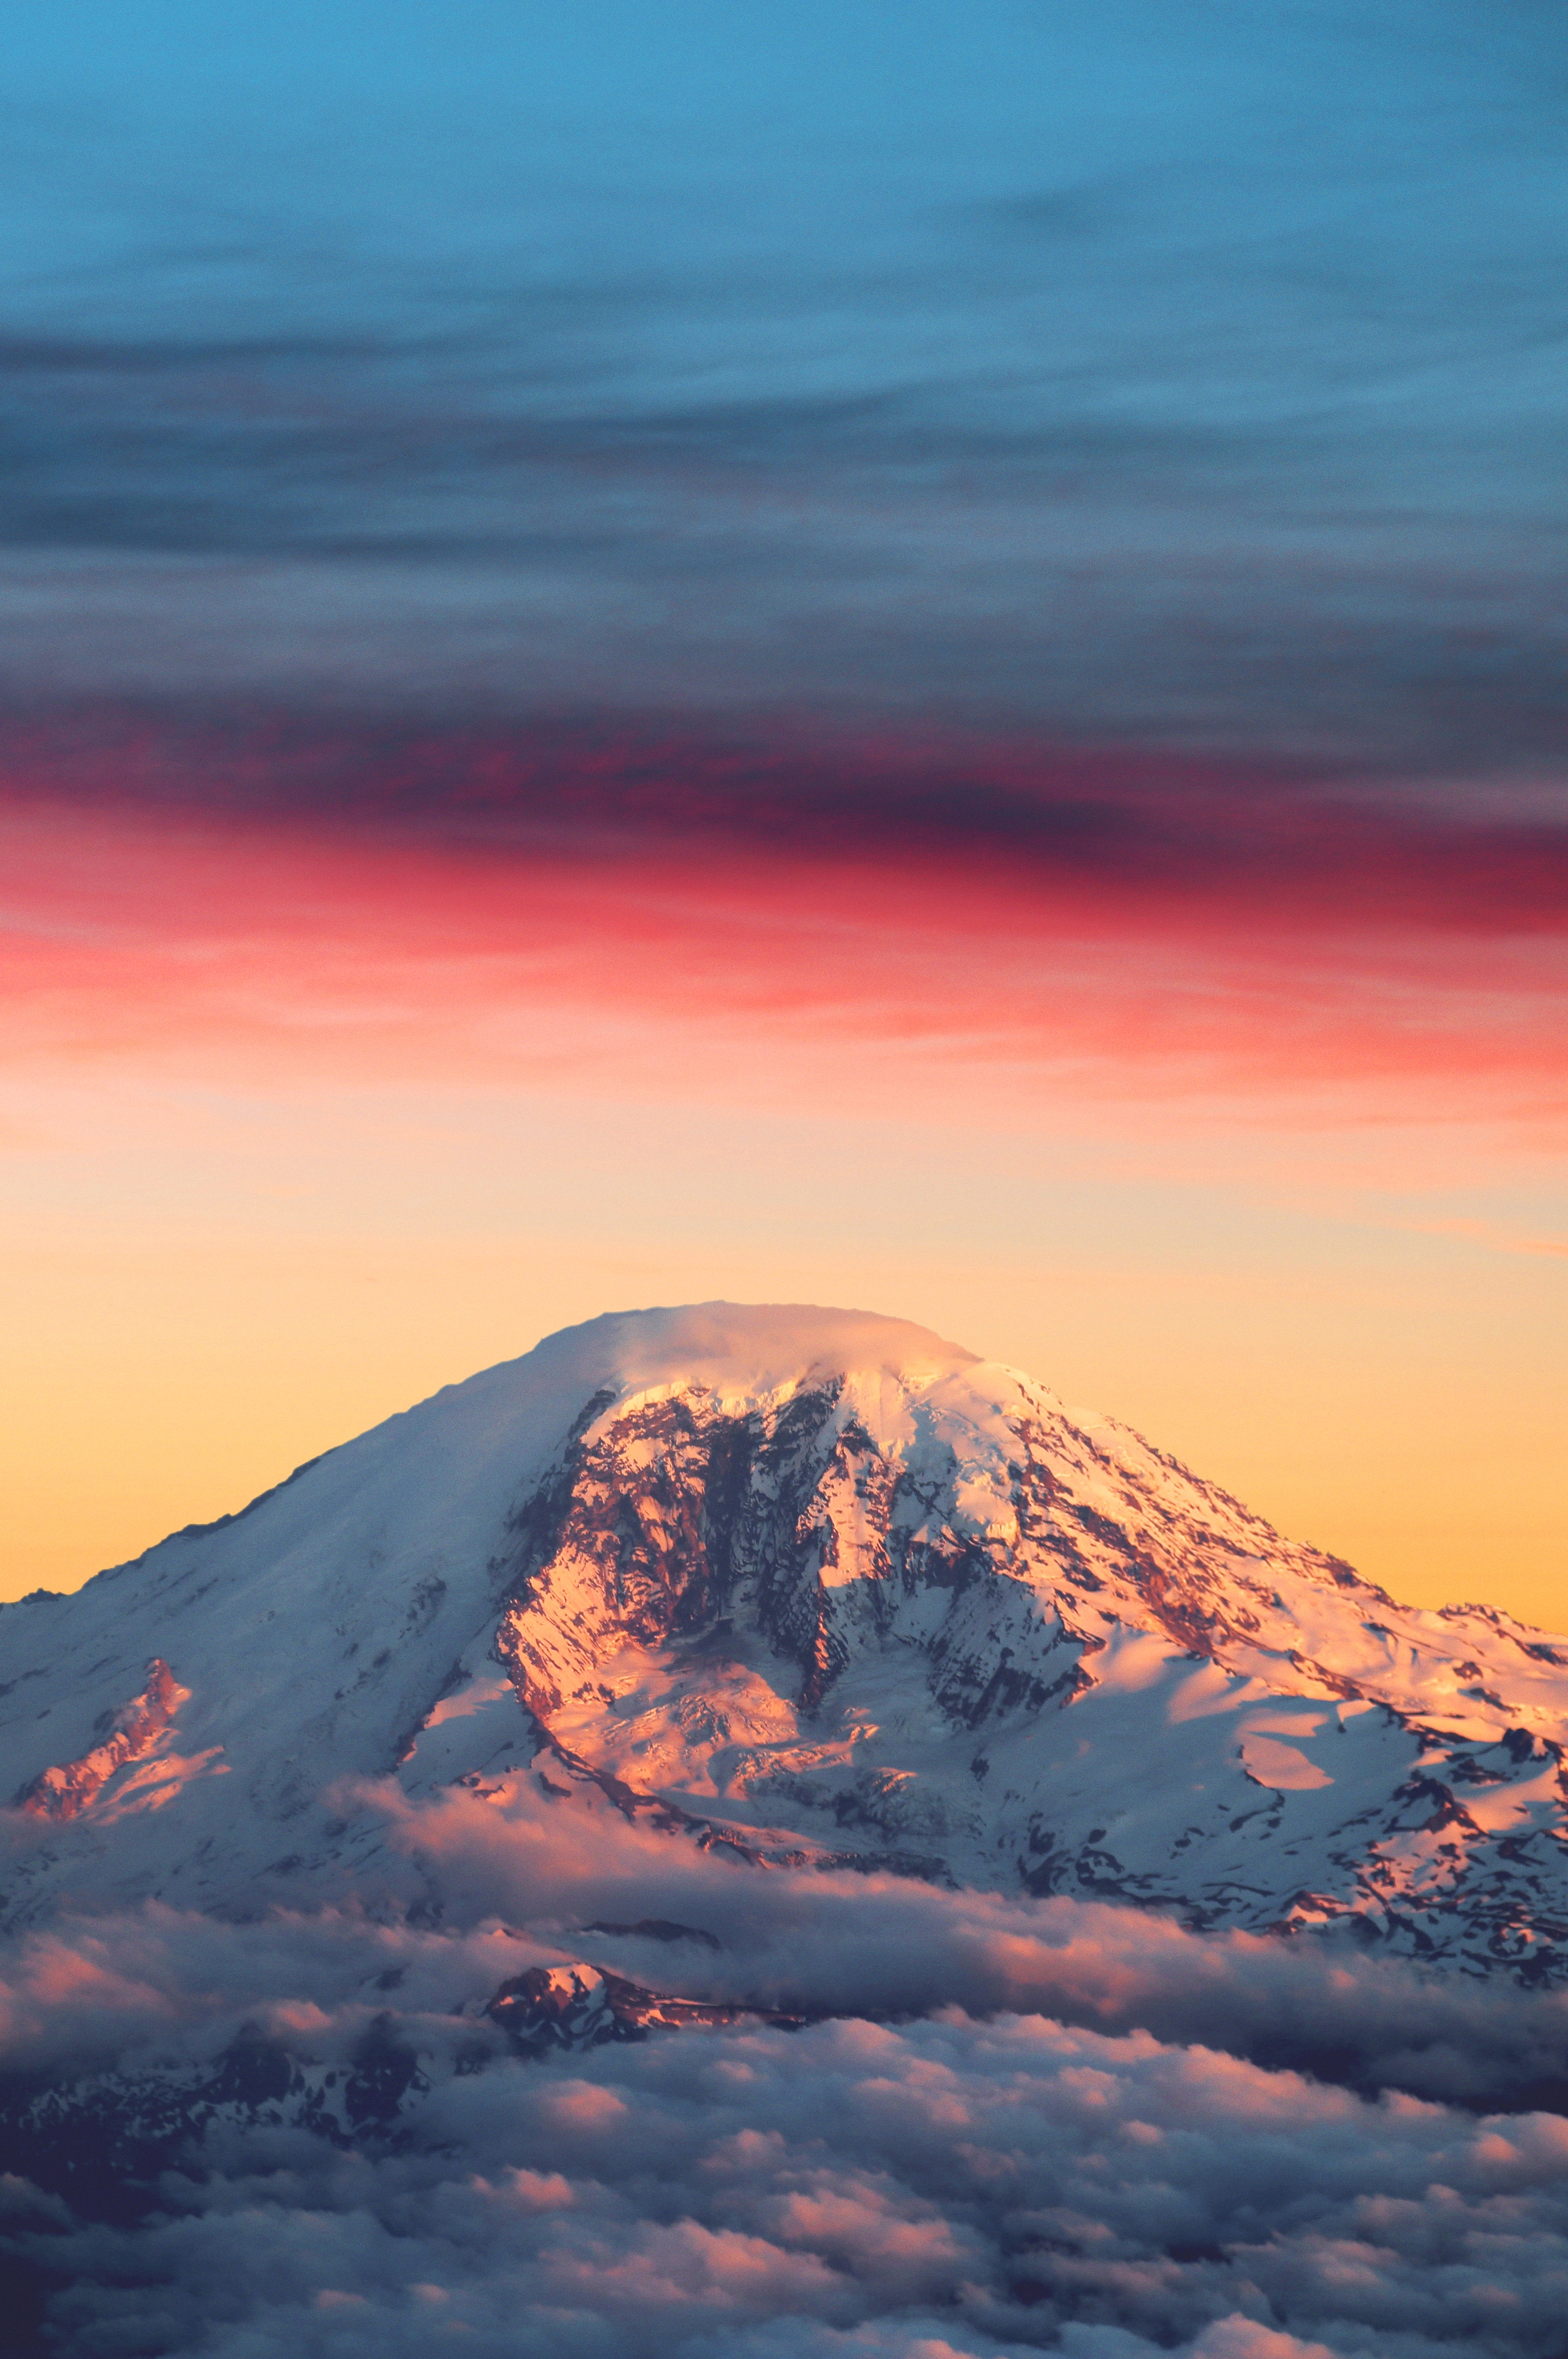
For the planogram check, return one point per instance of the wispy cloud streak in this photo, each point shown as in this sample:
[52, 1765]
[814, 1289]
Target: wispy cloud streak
[1194, 389]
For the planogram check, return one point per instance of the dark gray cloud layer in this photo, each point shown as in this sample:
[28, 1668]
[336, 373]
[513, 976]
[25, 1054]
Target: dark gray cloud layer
[1199, 381]
[1148, 831]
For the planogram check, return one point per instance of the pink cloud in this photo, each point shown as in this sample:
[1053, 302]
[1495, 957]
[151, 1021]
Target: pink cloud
[794, 972]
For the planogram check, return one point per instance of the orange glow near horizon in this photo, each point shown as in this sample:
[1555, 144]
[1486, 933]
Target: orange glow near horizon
[302, 1122]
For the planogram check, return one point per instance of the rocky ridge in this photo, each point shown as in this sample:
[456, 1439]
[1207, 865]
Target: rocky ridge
[823, 1588]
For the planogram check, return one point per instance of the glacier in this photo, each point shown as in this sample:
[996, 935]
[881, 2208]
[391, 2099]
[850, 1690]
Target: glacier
[813, 1589]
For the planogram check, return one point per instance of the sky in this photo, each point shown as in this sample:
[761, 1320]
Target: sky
[910, 658]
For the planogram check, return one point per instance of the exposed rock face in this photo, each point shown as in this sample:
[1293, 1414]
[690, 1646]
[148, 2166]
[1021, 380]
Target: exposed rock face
[67, 1788]
[102, 2140]
[712, 1609]
[553, 2010]
[825, 1591]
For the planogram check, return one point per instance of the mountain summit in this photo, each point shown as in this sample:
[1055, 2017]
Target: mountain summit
[817, 1586]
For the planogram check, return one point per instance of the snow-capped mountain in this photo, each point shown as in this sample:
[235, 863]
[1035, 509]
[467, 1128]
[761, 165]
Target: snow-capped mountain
[815, 1585]
[100, 2137]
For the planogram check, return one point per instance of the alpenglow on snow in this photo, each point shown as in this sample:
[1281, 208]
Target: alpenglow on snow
[823, 1588]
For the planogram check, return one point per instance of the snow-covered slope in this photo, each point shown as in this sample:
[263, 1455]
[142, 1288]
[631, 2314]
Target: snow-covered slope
[817, 1585]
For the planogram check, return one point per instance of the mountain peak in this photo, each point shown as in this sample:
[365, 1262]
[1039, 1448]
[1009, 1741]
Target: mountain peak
[736, 1346]
[821, 1588]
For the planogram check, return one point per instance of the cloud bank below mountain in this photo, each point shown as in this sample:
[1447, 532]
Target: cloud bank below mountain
[1061, 2140]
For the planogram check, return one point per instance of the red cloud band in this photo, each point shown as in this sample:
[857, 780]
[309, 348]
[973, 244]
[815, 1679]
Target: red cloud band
[580, 901]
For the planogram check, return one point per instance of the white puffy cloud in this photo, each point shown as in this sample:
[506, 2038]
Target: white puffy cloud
[902, 2192]
[1071, 2130]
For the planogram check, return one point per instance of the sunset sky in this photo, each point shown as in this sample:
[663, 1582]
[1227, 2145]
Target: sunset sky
[910, 658]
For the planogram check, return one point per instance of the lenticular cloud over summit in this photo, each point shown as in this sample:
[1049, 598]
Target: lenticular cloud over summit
[755, 1832]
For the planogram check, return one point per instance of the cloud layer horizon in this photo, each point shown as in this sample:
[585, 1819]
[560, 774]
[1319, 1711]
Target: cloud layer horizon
[1071, 2127]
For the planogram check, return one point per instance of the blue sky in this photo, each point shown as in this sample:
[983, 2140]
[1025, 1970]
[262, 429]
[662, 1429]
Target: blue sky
[1195, 377]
